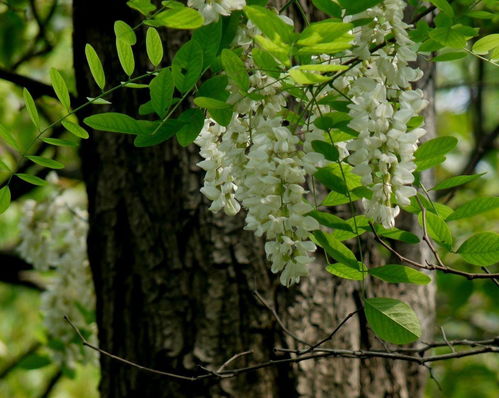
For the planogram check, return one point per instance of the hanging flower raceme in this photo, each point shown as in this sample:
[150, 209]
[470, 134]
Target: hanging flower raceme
[383, 103]
[53, 237]
[212, 9]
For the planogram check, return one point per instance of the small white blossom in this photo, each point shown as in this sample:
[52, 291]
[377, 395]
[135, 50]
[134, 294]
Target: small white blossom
[212, 9]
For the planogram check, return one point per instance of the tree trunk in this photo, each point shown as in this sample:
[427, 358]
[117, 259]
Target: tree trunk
[174, 282]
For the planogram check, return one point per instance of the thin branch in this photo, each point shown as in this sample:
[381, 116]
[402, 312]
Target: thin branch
[51, 384]
[429, 266]
[279, 321]
[233, 358]
[331, 335]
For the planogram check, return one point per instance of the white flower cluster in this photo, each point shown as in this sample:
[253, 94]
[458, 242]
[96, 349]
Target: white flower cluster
[383, 104]
[259, 163]
[212, 9]
[54, 238]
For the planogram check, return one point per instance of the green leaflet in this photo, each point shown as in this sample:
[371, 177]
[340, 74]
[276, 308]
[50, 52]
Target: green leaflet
[306, 78]
[4, 198]
[209, 38]
[193, 122]
[59, 142]
[481, 249]
[143, 6]
[235, 69]
[161, 91]
[75, 129]
[473, 207]
[34, 361]
[335, 248]
[486, 43]
[392, 320]
[187, 66]
[329, 151]
[456, 181]
[60, 88]
[437, 229]
[432, 152]
[348, 271]
[270, 24]
[444, 6]
[125, 33]
[154, 46]
[211, 103]
[328, 7]
[31, 108]
[31, 179]
[46, 162]
[177, 18]
[125, 55]
[113, 122]
[394, 273]
[95, 66]
[164, 133]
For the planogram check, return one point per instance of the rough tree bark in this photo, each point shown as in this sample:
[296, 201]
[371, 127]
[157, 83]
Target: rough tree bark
[174, 282]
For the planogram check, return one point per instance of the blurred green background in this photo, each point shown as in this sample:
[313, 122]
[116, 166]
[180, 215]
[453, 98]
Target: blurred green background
[467, 103]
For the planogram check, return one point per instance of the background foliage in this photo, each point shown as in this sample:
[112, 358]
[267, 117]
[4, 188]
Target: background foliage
[32, 42]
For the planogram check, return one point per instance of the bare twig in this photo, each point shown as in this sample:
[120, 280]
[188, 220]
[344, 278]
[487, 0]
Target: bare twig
[234, 357]
[429, 266]
[279, 321]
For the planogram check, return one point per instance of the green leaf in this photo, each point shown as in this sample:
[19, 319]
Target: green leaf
[335, 248]
[60, 88]
[211, 103]
[34, 361]
[330, 220]
[270, 24]
[435, 148]
[481, 249]
[437, 229]
[113, 122]
[177, 18]
[474, 207]
[329, 151]
[215, 88]
[98, 101]
[276, 49]
[235, 69]
[187, 65]
[209, 38]
[143, 6]
[8, 137]
[397, 234]
[450, 56]
[154, 46]
[486, 43]
[31, 179]
[323, 32]
[336, 199]
[193, 120]
[395, 273]
[301, 77]
[46, 162]
[3, 166]
[392, 320]
[124, 32]
[125, 55]
[95, 66]
[75, 129]
[455, 181]
[161, 90]
[328, 7]
[348, 271]
[165, 132]
[338, 179]
[449, 37]
[444, 6]
[31, 108]
[266, 62]
[358, 226]
[323, 67]
[354, 7]
[59, 142]
[4, 198]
